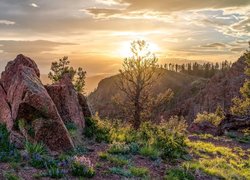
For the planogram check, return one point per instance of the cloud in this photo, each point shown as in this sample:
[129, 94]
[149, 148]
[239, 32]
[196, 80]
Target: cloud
[6, 22]
[34, 5]
[214, 45]
[238, 49]
[177, 5]
[38, 46]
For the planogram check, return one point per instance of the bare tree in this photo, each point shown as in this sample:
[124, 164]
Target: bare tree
[137, 76]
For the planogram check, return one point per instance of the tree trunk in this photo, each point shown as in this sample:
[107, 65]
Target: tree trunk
[137, 112]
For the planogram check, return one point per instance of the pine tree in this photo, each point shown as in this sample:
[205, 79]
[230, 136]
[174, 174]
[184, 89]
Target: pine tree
[242, 106]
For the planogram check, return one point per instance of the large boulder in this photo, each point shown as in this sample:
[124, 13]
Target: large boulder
[66, 100]
[30, 102]
[84, 105]
[12, 68]
[5, 112]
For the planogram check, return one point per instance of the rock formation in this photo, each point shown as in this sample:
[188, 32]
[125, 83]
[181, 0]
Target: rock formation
[66, 100]
[31, 113]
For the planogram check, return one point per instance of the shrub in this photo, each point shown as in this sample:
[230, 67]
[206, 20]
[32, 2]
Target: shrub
[97, 129]
[10, 176]
[134, 147]
[37, 161]
[7, 150]
[172, 144]
[118, 160]
[103, 155]
[149, 151]
[55, 172]
[120, 171]
[209, 117]
[139, 171]
[82, 167]
[35, 148]
[178, 173]
[119, 148]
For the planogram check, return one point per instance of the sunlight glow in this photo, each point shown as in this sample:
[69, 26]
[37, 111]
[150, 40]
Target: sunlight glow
[125, 51]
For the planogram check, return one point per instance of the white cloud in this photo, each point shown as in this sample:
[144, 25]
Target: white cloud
[34, 5]
[6, 22]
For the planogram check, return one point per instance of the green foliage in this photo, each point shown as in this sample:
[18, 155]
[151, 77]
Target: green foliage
[97, 129]
[119, 148]
[222, 162]
[58, 69]
[55, 172]
[7, 151]
[209, 117]
[139, 171]
[241, 106]
[35, 148]
[118, 160]
[120, 171]
[149, 151]
[10, 176]
[81, 170]
[134, 148]
[178, 174]
[242, 138]
[103, 155]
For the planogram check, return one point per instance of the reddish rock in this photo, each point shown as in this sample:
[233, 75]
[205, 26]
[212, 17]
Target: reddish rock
[30, 101]
[12, 68]
[84, 105]
[5, 112]
[66, 100]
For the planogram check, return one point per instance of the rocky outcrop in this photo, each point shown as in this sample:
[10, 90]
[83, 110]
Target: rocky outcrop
[12, 68]
[84, 105]
[28, 101]
[66, 100]
[5, 112]
[231, 122]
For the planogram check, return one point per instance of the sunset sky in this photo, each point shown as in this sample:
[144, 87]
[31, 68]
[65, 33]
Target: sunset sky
[95, 34]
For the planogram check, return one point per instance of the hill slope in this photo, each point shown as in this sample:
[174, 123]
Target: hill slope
[192, 94]
[101, 98]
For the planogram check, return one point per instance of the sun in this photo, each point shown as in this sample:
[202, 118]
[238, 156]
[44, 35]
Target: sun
[125, 50]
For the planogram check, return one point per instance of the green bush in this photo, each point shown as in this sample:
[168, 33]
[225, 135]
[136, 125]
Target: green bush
[35, 148]
[81, 170]
[118, 160]
[120, 171]
[119, 148]
[97, 129]
[172, 144]
[134, 148]
[82, 167]
[55, 172]
[139, 171]
[8, 152]
[209, 117]
[10, 176]
[178, 174]
[149, 151]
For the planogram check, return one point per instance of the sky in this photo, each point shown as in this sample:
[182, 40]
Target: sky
[96, 34]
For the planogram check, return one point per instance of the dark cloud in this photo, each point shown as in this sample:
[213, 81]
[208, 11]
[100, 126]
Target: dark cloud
[238, 49]
[214, 45]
